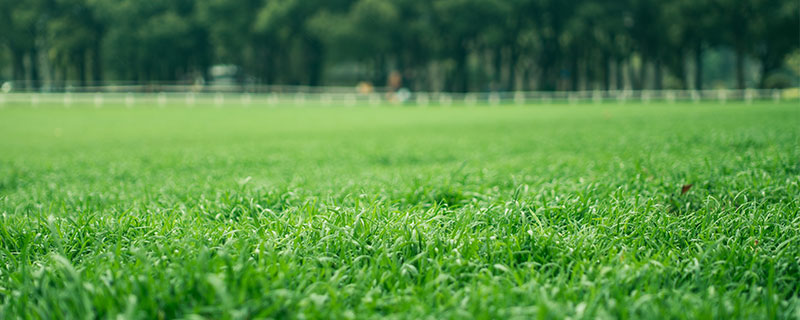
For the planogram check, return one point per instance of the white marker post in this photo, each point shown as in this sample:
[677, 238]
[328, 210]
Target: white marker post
[129, 100]
[671, 97]
[326, 99]
[470, 99]
[422, 99]
[98, 100]
[519, 97]
[190, 99]
[494, 98]
[162, 99]
[547, 97]
[374, 99]
[445, 100]
[67, 100]
[299, 99]
[572, 98]
[246, 99]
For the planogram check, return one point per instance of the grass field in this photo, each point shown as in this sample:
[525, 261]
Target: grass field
[461, 212]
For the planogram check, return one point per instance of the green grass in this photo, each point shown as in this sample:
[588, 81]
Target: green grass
[429, 213]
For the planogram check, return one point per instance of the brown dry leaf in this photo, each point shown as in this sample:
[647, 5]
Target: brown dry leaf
[686, 188]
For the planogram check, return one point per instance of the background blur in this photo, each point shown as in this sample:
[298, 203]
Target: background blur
[441, 45]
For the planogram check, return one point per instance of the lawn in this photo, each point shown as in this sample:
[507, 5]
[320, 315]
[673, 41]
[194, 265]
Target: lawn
[489, 212]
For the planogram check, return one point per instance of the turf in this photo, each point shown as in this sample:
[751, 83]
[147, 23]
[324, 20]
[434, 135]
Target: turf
[540, 211]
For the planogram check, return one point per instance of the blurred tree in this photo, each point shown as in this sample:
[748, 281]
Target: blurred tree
[301, 58]
[456, 45]
[21, 27]
[143, 31]
[736, 18]
[460, 25]
[695, 28]
[776, 30]
[230, 27]
[74, 36]
[369, 32]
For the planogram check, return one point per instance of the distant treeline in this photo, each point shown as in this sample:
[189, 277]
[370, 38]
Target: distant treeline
[452, 45]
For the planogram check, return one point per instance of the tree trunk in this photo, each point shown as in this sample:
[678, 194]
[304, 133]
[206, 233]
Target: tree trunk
[606, 61]
[82, 67]
[461, 81]
[18, 68]
[657, 82]
[767, 67]
[97, 64]
[574, 73]
[740, 68]
[34, 66]
[620, 76]
[316, 63]
[498, 70]
[681, 69]
[698, 67]
[547, 78]
[642, 80]
[513, 58]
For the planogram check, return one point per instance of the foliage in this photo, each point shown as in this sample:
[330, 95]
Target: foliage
[454, 45]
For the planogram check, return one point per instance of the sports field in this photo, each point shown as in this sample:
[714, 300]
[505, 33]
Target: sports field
[539, 211]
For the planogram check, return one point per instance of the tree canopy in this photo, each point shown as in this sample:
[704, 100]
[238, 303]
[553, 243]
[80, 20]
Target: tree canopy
[453, 45]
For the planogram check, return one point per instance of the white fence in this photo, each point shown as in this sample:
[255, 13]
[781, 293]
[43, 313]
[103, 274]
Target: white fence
[190, 96]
